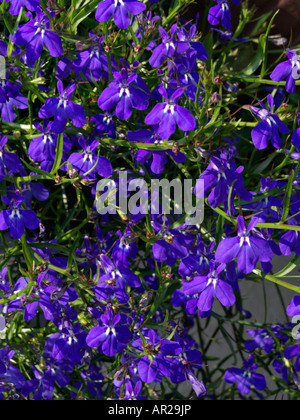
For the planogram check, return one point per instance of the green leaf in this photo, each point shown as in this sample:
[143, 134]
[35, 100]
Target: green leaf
[257, 60]
[287, 199]
[59, 153]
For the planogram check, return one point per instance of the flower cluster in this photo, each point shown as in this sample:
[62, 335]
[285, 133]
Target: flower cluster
[102, 303]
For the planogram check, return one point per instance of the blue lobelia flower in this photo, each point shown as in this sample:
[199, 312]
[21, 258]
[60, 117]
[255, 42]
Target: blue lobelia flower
[35, 34]
[159, 356]
[10, 98]
[289, 70]
[67, 345]
[120, 9]
[32, 5]
[85, 161]
[109, 337]
[9, 162]
[125, 92]
[209, 287]
[62, 108]
[169, 114]
[43, 148]
[104, 125]
[268, 128]
[168, 47]
[191, 40]
[92, 62]
[16, 219]
[114, 280]
[248, 247]
[221, 175]
[220, 13]
[156, 159]
[246, 378]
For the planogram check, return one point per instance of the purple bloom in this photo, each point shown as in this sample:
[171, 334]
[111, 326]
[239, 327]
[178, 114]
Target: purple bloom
[289, 70]
[9, 162]
[220, 175]
[92, 62]
[11, 98]
[16, 219]
[248, 247]
[69, 344]
[290, 240]
[220, 13]
[246, 378]
[110, 337]
[43, 148]
[120, 9]
[104, 125]
[63, 108]
[167, 48]
[32, 5]
[114, 281]
[125, 92]
[158, 359]
[85, 161]
[35, 34]
[158, 159]
[268, 128]
[169, 114]
[209, 287]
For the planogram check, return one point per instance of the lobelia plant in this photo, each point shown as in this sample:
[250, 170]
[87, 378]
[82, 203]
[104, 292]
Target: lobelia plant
[128, 302]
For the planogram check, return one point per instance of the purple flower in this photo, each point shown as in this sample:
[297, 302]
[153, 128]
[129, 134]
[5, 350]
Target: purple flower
[43, 148]
[194, 46]
[290, 240]
[11, 98]
[85, 161]
[169, 114]
[9, 162]
[63, 108]
[248, 247]
[220, 175]
[16, 219]
[167, 48]
[35, 34]
[157, 159]
[32, 5]
[220, 13]
[289, 70]
[104, 125]
[92, 62]
[268, 128]
[114, 281]
[158, 359]
[125, 92]
[120, 9]
[110, 337]
[246, 378]
[69, 344]
[209, 287]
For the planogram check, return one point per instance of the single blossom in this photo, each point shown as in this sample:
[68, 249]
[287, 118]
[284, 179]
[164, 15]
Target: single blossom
[126, 93]
[62, 108]
[289, 70]
[120, 10]
[16, 218]
[246, 378]
[36, 34]
[169, 114]
[269, 127]
[248, 247]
